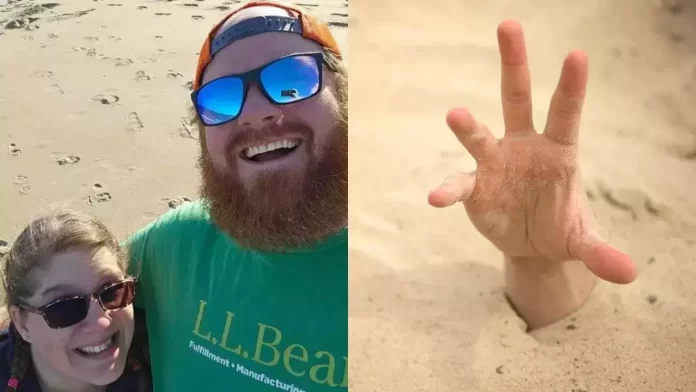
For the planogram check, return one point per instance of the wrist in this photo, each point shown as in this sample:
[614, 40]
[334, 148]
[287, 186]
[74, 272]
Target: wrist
[544, 291]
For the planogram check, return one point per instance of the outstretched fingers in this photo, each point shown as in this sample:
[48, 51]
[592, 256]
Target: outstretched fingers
[455, 188]
[475, 137]
[516, 85]
[563, 122]
[605, 261]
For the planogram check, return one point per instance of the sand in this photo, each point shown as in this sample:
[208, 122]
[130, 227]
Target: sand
[107, 82]
[427, 311]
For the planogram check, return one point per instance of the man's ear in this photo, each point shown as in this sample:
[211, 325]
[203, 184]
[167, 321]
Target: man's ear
[19, 319]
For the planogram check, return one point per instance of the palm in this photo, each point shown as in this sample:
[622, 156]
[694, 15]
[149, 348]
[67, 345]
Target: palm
[528, 212]
[526, 195]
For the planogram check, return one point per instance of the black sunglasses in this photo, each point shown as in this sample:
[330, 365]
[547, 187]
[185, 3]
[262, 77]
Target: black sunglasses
[66, 312]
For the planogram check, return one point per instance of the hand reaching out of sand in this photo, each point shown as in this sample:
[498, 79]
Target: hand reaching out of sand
[526, 195]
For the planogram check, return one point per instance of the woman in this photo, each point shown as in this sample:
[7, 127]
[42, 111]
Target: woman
[70, 303]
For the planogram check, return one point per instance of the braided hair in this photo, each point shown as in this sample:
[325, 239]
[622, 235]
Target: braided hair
[21, 360]
[36, 245]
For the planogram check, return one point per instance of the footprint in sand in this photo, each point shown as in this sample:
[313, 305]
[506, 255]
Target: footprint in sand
[44, 74]
[142, 7]
[222, 8]
[106, 99]
[141, 76]
[91, 52]
[57, 89]
[633, 201]
[173, 75]
[133, 122]
[52, 36]
[149, 215]
[188, 85]
[71, 15]
[92, 39]
[163, 13]
[23, 183]
[175, 202]
[67, 160]
[197, 17]
[4, 247]
[100, 196]
[20, 23]
[31, 10]
[114, 38]
[190, 5]
[114, 5]
[185, 131]
[119, 62]
[14, 150]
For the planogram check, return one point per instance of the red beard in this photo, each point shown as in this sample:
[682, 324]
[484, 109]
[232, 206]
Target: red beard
[282, 210]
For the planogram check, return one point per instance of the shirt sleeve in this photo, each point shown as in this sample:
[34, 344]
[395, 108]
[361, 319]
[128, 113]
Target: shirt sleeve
[152, 245]
[139, 254]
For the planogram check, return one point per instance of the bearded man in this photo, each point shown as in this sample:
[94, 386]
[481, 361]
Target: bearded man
[246, 289]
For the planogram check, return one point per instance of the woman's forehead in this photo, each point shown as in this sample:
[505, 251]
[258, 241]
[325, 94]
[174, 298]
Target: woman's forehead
[80, 269]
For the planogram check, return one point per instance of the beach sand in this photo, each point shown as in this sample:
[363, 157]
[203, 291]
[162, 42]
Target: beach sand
[427, 311]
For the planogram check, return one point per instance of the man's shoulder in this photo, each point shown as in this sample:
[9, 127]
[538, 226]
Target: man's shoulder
[188, 215]
[187, 212]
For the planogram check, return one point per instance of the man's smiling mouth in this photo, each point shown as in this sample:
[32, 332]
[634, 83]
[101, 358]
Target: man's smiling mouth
[270, 151]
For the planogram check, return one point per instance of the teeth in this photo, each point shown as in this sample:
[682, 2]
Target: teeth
[97, 348]
[256, 150]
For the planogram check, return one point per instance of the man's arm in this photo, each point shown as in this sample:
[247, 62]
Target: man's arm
[543, 291]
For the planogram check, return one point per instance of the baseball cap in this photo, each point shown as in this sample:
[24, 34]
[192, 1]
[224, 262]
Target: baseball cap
[300, 23]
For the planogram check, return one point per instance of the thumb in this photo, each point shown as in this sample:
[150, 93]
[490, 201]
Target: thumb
[605, 261]
[455, 188]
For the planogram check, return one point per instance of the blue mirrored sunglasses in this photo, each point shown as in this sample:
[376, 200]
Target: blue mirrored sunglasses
[283, 81]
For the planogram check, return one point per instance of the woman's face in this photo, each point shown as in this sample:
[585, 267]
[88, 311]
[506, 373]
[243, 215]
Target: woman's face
[69, 355]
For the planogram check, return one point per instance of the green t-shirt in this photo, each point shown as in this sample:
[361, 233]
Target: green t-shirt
[224, 318]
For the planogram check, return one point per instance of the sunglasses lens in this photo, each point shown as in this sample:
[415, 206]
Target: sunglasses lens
[220, 100]
[66, 313]
[118, 296]
[291, 79]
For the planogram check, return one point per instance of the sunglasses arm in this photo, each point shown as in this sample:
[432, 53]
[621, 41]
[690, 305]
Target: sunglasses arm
[30, 309]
